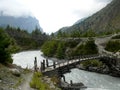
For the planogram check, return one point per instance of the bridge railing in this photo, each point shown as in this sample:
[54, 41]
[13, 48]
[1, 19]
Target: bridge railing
[45, 64]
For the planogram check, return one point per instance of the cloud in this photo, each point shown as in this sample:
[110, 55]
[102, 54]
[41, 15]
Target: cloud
[103, 1]
[13, 8]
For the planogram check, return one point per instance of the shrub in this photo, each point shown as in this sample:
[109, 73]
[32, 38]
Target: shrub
[5, 42]
[60, 53]
[88, 48]
[54, 48]
[37, 82]
[49, 48]
[94, 63]
[113, 46]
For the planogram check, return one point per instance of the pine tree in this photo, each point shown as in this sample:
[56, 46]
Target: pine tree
[4, 47]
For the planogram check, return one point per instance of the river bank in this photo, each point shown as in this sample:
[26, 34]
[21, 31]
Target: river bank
[103, 69]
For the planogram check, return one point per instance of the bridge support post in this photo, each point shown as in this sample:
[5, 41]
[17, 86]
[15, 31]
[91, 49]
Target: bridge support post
[68, 66]
[68, 62]
[79, 58]
[43, 64]
[41, 69]
[47, 64]
[35, 64]
[64, 78]
[54, 66]
[59, 65]
[71, 82]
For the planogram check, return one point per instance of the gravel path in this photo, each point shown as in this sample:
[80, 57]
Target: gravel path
[25, 84]
[100, 42]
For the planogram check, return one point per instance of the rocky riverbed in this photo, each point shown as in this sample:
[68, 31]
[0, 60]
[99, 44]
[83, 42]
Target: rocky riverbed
[104, 69]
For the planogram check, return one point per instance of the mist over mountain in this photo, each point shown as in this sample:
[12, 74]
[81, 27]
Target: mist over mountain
[107, 19]
[28, 23]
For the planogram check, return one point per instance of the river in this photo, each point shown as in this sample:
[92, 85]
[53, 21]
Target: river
[26, 58]
[93, 81]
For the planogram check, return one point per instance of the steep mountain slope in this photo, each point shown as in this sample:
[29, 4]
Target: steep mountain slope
[27, 23]
[107, 19]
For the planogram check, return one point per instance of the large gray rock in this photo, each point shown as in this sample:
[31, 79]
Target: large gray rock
[15, 72]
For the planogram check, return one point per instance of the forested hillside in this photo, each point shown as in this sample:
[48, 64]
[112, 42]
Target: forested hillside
[27, 40]
[105, 21]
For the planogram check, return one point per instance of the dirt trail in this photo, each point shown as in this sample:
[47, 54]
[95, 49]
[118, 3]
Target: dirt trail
[100, 42]
[25, 84]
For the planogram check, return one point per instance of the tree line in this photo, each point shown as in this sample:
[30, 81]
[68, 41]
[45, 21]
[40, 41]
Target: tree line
[67, 49]
[15, 39]
[79, 33]
[27, 40]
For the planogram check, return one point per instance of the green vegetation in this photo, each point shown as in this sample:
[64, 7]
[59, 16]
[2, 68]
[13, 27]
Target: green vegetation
[18, 82]
[113, 46]
[49, 48]
[5, 49]
[85, 49]
[54, 48]
[60, 53]
[63, 49]
[79, 33]
[37, 82]
[15, 39]
[27, 40]
[93, 63]
[89, 33]
[74, 34]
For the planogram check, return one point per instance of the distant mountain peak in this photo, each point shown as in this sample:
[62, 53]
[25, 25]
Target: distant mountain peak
[28, 23]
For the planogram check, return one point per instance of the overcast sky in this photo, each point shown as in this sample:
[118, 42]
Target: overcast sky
[53, 14]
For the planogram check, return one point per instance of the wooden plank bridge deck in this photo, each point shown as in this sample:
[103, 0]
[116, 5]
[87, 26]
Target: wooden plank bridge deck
[45, 67]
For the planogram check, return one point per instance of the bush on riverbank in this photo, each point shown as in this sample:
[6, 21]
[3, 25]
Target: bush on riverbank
[86, 49]
[37, 82]
[40, 83]
[54, 48]
[92, 63]
[49, 48]
[113, 46]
